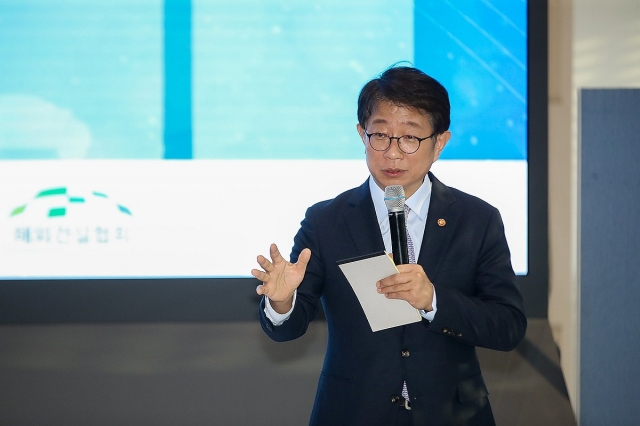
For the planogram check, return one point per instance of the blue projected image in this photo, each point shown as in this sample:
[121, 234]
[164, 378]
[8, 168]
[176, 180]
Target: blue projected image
[282, 82]
[478, 52]
[271, 79]
[81, 79]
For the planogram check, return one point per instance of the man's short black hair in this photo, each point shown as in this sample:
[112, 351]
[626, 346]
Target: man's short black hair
[407, 87]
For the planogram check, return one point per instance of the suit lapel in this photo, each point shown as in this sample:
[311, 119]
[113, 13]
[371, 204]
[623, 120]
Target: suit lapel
[441, 223]
[364, 230]
[362, 222]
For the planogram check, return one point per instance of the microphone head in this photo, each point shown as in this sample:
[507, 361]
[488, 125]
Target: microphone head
[394, 198]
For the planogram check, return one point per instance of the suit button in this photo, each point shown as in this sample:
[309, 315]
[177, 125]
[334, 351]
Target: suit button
[445, 330]
[394, 399]
[458, 334]
[405, 354]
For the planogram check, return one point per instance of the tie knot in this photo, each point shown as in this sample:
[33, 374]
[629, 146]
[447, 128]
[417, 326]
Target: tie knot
[406, 210]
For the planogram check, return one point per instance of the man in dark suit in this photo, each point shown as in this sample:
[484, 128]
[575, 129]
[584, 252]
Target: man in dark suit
[463, 285]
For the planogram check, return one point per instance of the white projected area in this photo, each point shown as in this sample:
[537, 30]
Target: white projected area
[149, 219]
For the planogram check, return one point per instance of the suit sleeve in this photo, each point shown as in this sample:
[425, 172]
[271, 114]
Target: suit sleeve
[308, 294]
[491, 314]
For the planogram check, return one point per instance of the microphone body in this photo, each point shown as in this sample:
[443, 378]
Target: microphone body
[398, 229]
[394, 199]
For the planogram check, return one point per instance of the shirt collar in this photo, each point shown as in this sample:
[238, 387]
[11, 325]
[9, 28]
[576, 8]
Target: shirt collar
[418, 202]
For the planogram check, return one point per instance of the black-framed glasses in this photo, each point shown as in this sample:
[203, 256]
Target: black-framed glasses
[407, 143]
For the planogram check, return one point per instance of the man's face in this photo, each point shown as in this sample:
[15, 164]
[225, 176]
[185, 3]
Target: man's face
[394, 167]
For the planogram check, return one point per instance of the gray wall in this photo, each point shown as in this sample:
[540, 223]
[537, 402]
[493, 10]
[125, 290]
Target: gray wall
[221, 373]
[609, 256]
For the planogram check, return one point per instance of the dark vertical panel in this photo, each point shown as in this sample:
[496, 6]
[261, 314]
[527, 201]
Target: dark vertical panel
[177, 86]
[535, 285]
[609, 257]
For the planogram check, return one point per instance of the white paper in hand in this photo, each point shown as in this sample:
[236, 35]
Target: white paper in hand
[382, 313]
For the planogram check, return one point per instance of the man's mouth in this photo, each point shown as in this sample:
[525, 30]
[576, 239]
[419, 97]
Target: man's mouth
[393, 172]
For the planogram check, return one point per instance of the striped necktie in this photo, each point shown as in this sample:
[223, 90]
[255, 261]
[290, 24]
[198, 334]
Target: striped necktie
[412, 259]
[410, 250]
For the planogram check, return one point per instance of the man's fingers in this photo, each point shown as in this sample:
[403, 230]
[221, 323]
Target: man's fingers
[392, 280]
[265, 263]
[264, 290]
[277, 272]
[275, 253]
[397, 288]
[260, 275]
[303, 259]
[394, 296]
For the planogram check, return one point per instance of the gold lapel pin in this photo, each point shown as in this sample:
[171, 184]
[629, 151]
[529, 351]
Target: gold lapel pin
[442, 222]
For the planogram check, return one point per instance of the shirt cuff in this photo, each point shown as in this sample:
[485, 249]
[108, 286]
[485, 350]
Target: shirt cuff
[273, 316]
[429, 316]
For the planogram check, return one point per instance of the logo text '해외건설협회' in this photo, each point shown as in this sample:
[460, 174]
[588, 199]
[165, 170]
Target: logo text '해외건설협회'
[60, 216]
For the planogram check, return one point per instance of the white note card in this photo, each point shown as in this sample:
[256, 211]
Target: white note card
[382, 313]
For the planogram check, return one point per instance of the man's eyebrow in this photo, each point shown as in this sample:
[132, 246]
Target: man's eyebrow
[379, 121]
[408, 123]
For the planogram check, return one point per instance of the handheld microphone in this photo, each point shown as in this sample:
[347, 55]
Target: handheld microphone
[394, 199]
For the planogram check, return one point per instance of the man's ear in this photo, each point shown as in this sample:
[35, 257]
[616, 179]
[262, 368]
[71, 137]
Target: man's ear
[441, 141]
[360, 132]
[362, 136]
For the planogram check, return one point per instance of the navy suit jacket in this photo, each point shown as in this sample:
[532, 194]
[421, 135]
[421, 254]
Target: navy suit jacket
[478, 303]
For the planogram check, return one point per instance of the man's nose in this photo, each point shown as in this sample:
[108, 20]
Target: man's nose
[394, 151]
